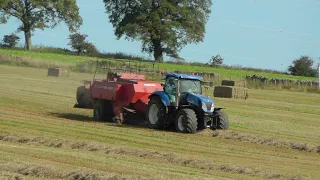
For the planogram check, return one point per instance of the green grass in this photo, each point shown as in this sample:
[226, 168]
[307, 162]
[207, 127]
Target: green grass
[59, 59]
[43, 136]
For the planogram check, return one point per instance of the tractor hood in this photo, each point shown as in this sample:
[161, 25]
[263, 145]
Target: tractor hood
[206, 103]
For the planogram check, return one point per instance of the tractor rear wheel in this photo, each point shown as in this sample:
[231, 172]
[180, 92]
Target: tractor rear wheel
[155, 114]
[102, 111]
[223, 121]
[186, 121]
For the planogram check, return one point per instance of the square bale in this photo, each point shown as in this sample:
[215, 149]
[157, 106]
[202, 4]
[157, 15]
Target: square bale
[228, 83]
[240, 93]
[57, 72]
[223, 91]
[231, 92]
[233, 83]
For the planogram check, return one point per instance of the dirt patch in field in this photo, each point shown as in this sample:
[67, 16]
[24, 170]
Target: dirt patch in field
[267, 141]
[113, 150]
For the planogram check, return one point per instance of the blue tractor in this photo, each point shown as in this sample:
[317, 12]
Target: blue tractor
[182, 104]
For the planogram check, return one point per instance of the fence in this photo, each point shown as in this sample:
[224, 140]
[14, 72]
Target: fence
[153, 71]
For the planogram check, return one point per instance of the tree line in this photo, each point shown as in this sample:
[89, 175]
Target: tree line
[162, 26]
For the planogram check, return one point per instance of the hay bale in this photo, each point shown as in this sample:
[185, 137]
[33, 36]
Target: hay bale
[228, 83]
[240, 93]
[233, 83]
[231, 92]
[223, 91]
[57, 72]
[84, 96]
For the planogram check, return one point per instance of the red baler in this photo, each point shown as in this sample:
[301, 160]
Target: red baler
[119, 91]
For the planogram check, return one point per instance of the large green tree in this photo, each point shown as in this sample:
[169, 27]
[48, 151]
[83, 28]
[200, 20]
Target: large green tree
[40, 14]
[303, 67]
[163, 26]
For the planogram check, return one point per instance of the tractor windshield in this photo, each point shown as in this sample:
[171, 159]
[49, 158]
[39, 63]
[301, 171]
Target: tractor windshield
[187, 85]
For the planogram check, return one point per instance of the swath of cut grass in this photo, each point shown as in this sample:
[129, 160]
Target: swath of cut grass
[44, 171]
[267, 141]
[170, 158]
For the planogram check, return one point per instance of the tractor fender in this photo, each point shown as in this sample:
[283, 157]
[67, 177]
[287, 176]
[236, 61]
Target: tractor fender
[163, 97]
[218, 109]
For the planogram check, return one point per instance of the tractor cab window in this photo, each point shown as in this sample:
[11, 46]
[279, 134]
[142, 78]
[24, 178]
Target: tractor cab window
[187, 85]
[170, 88]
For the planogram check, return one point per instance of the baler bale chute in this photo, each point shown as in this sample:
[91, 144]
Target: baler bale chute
[178, 102]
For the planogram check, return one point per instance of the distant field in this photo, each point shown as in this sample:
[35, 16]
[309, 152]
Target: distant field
[273, 135]
[57, 59]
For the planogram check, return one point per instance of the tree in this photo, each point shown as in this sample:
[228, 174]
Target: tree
[90, 49]
[162, 26]
[303, 67]
[78, 42]
[216, 60]
[10, 40]
[40, 14]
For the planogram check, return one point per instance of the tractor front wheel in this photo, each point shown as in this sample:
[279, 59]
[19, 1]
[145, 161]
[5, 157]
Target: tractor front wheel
[222, 120]
[155, 114]
[186, 121]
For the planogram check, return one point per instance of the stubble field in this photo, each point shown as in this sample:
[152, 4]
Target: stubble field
[272, 135]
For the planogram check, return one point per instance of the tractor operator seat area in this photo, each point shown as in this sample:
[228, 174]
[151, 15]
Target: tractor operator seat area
[186, 85]
[170, 88]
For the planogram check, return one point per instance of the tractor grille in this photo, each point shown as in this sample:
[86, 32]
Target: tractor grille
[209, 104]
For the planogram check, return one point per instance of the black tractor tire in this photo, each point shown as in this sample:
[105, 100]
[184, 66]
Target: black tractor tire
[156, 113]
[201, 122]
[222, 120]
[102, 111]
[186, 121]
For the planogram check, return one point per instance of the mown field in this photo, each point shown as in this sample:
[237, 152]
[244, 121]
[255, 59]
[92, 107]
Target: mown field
[63, 60]
[272, 135]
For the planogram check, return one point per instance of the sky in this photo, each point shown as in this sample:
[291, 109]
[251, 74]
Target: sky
[266, 34]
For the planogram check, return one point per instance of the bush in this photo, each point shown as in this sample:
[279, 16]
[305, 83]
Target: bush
[303, 67]
[10, 41]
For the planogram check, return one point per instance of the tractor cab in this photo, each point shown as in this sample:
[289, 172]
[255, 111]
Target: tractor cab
[177, 86]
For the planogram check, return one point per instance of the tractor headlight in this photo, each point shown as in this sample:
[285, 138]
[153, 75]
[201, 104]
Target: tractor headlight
[212, 107]
[204, 106]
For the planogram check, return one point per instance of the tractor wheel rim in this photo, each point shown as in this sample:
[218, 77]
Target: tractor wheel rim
[153, 114]
[180, 122]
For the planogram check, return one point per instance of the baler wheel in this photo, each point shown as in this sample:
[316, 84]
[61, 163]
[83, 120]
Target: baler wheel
[186, 121]
[102, 111]
[155, 113]
[223, 121]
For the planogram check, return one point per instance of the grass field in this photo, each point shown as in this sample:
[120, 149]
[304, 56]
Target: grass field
[60, 59]
[272, 135]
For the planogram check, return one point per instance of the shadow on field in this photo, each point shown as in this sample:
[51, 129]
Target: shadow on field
[131, 120]
[71, 116]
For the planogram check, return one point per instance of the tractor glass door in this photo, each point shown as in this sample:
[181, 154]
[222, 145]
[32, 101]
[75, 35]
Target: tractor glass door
[170, 88]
